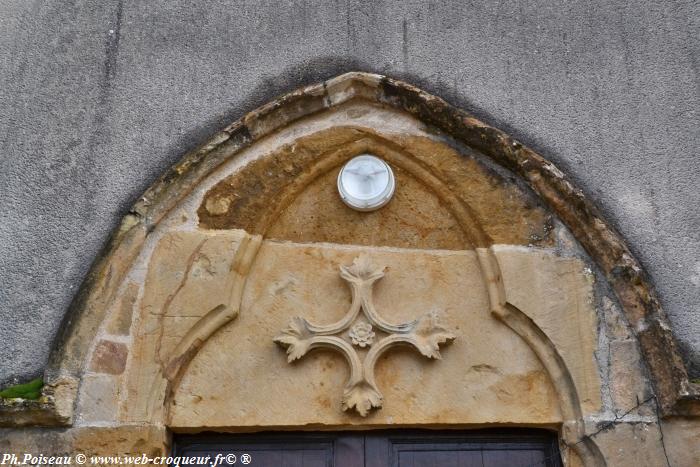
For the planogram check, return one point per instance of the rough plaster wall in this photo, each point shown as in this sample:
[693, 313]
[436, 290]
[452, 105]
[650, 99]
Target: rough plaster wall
[97, 98]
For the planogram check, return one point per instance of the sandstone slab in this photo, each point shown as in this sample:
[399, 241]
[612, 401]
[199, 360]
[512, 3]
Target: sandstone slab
[488, 374]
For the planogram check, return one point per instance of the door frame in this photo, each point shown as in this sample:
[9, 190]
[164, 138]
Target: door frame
[371, 448]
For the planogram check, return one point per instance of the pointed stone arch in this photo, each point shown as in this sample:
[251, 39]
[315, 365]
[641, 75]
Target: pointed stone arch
[195, 181]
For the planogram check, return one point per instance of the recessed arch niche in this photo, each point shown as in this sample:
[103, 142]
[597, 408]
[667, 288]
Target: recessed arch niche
[174, 328]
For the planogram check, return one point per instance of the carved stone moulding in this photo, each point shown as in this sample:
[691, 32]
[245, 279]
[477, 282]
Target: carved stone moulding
[361, 393]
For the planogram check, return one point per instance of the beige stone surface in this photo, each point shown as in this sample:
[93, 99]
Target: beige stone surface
[557, 294]
[290, 194]
[682, 440]
[487, 375]
[188, 276]
[240, 378]
[113, 441]
[109, 357]
[628, 382]
[616, 326]
[119, 321]
[415, 216]
[98, 399]
[633, 445]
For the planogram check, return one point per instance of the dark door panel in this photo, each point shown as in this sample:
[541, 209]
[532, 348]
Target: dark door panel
[277, 449]
[511, 448]
[395, 448]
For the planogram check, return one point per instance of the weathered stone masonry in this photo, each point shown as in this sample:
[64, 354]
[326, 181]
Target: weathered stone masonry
[554, 323]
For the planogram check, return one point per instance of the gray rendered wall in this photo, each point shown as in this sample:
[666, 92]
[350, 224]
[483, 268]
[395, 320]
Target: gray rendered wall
[97, 98]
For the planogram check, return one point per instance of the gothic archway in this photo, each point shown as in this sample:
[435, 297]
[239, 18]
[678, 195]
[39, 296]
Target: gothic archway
[252, 183]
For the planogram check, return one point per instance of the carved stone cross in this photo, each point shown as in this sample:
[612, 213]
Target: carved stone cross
[361, 392]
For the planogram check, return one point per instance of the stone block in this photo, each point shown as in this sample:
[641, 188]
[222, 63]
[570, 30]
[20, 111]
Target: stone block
[119, 322]
[632, 445]
[682, 440]
[99, 399]
[628, 377]
[113, 441]
[487, 375]
[557, 294]
[109, 357]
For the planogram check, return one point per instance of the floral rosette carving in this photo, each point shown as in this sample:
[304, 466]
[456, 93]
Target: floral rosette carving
[362, 335]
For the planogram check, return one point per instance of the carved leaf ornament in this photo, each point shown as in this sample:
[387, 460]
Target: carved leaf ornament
[424, 334]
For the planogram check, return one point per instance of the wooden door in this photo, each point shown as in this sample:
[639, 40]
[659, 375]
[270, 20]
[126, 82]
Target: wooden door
[395, 448]
[513, 448]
